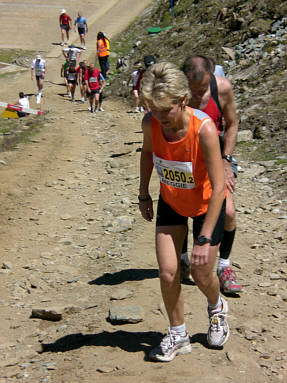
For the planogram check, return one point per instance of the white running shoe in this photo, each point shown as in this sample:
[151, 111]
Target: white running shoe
[218, 331]
[62, 44]
[101, 109]
[142, 109]
[83, 99]
[84, 47]
[38, 98]
[170, 346]
[137, 110]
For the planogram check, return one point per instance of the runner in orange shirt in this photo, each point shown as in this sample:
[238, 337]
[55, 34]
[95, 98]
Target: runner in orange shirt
[182, 144]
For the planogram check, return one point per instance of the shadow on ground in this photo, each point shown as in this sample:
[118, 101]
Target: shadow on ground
[202, 339]
[125, 275]
[128, 341]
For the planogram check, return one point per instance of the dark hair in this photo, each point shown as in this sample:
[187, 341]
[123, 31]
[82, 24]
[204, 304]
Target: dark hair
[196, 66]
[21, 95]
[101, 36]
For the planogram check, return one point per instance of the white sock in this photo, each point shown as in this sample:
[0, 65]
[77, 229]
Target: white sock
[180, 330]
[222, 263]
[215, 307]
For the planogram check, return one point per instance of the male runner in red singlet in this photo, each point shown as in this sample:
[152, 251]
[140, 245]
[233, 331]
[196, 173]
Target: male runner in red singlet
[214, 96]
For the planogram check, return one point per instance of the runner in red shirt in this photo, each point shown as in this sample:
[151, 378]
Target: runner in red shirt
[95, 87]
[65, 22]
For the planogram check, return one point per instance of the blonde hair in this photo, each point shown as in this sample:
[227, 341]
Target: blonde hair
[163, 85]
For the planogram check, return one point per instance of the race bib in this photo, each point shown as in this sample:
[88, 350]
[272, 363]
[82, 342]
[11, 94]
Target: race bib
[72, 76]
[174, 173]
[93, 79]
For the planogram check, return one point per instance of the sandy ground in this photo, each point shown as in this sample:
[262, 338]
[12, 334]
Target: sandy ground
[61, 197]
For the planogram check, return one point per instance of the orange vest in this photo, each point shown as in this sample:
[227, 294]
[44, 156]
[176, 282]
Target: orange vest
[102, 49]
[184, 182]
[108, 46]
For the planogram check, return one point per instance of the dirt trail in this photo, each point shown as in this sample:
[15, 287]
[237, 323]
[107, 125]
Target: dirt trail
[63, 246]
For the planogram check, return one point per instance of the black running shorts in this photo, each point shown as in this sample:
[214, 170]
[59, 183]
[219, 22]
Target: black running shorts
[166, 216]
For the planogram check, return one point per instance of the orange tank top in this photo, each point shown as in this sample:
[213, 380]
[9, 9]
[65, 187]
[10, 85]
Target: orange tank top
[184, 182]
[102, 48]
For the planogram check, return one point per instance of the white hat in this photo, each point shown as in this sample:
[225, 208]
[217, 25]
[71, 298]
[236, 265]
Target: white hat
[38, 57]
[63, 11]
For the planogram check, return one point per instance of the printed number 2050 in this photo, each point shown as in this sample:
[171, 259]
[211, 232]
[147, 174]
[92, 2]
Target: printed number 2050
[176, 175]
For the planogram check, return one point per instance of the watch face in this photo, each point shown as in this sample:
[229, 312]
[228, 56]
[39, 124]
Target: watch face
[228, 157]
[203, 240]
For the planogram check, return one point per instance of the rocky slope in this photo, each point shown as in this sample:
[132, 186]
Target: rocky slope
[247, 37]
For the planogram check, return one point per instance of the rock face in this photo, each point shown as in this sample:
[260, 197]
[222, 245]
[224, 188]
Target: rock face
[247, 37]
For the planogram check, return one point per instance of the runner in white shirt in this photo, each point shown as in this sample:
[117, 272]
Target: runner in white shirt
[134, 79]
[73, 54]
[24, 102]
[38, 68]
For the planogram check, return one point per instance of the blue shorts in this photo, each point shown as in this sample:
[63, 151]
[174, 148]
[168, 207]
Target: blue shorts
[166, 216]
[82, 31]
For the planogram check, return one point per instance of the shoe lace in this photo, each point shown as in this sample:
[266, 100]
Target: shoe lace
[216, 321]
[168, 341]
[228, 275]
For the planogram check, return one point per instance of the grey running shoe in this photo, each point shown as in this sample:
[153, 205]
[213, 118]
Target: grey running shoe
[228, 281]
[170, 346]
[218, 331]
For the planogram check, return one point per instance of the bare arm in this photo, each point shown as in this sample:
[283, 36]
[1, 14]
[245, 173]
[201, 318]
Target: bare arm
[102, 86]
[226, 100]
[209, 144]
[146, 168]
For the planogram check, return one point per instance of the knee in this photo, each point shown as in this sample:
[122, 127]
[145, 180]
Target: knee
[200, 278]
[168, 277]
[230, 212]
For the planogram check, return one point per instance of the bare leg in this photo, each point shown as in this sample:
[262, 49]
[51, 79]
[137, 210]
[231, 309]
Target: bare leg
[168, 246]
[63, 35]
[206, 279]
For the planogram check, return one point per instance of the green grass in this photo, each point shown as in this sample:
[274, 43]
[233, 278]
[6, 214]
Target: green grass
[7, 74]
[19, 133]
[281, 161]
[257, 150]
[9, 55]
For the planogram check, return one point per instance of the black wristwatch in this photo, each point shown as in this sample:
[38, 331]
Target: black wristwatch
[227, 157]
[202, 240]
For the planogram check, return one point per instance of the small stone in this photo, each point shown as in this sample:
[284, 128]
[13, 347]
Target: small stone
[274, 276]
[46, 314]
[250, 335]
[105, 369]
[126, 314]
[65, 217]
[121, 294]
